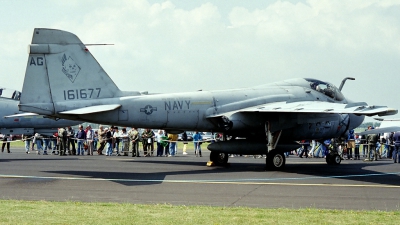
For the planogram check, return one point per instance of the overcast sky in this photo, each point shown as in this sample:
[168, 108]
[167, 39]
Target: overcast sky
[176, 46]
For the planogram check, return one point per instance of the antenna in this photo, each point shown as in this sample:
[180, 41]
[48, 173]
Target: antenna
[344, 81]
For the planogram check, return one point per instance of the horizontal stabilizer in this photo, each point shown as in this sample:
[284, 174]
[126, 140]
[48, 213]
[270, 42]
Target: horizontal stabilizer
[21, 115]
[92, 109]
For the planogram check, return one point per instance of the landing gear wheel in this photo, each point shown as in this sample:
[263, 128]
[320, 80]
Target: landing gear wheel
[219, 158]
[275, 160]
[336, 159]
[329, 160]
[333, 159]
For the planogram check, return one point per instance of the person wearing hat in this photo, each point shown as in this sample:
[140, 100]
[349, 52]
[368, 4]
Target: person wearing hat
[371, 140]
[102, 139]
[133, 135]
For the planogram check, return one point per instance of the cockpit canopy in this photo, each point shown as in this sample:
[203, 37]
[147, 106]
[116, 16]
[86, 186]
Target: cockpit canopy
[327, 89]
[10, 93]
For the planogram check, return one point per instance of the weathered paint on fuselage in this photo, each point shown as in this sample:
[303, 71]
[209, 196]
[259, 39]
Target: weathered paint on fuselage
[191, 111]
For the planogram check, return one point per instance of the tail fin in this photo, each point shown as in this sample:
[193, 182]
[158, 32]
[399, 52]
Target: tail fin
[61, 69]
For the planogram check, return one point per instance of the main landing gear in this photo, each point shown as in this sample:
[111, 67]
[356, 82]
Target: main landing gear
[333, 159]
[275, 160]
[219, 158]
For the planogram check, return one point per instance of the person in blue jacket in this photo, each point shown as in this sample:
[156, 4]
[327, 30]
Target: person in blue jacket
[197, 140]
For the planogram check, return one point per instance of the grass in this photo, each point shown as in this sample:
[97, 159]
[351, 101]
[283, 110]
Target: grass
[48, 212]
[45, 212]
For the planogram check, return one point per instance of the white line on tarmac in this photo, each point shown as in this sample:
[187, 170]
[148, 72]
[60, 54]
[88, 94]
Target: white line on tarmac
[266, 181]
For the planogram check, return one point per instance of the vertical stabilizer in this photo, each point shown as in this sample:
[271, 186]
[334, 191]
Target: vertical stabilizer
[60, 69]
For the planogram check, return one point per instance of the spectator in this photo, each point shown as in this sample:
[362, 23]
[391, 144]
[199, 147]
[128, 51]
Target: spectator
[89, 139]
[7, 138]
[172, 144]
[350, 144]
[160, 137]
[304, 149]
[54, 140]
[46, 143]
[116, 140]
[62, 140]
[319, 150]
[81, 137]
[38, 141]
[102, 139]
[357, 141]
[185, 143]
[71, 141]
[109, 142]
[134, 139]
[27, 139]
[147, 139]
[125, 141]
[390, 145]
[95, 139]
[372, 139]
[197, 140]
[396, 151]
[364, 144]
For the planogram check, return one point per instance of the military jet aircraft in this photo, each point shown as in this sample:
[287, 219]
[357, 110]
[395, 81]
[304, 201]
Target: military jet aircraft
[268, 118]
[27, 123]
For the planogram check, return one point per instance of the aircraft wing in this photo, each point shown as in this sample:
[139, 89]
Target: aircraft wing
[92, 109]
[360, 108]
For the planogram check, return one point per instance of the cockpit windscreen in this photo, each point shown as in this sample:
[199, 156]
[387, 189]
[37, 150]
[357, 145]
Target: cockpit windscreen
[327, 89]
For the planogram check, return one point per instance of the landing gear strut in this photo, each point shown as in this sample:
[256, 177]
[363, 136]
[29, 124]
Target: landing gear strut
[275, 160]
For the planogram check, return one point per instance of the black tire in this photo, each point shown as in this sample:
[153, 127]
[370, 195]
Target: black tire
[333, 159]
[336, 160]
[219, 158]
[275, 160]
[328, 160]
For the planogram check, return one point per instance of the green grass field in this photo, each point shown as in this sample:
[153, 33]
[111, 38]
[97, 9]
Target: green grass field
[44, 212]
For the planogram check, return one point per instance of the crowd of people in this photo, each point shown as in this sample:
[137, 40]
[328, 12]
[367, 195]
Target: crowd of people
[110, 141]
[371, 147]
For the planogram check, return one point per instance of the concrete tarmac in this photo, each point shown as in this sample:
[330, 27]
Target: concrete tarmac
[186, 180]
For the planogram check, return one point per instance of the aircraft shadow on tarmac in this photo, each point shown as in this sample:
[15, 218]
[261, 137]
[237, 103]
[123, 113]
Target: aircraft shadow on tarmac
[360, 171]
[37, 159]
